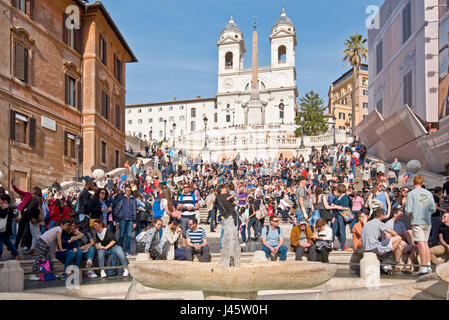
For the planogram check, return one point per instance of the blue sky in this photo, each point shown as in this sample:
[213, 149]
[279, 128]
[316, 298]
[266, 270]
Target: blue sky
[175, 41]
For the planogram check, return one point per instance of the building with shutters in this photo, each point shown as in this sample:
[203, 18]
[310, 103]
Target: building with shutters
[340, 98]
[62, 76]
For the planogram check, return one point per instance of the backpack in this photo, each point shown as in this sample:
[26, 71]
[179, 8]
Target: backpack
[193, 197]
[157, 212]
[277, 228]
[46, 266]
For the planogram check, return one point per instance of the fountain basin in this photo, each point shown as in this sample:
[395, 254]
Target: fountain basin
[244, 282]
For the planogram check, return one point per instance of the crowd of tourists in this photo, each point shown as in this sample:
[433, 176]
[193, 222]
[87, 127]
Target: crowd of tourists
[319, 195]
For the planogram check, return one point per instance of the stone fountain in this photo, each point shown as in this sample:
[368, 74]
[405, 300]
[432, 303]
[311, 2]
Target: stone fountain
[228, 279]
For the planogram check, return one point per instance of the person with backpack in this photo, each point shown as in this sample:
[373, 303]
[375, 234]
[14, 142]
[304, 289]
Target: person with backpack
[273, 239]
[187, 205]
[149, 241]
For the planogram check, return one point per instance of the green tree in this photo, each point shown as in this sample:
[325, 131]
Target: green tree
[312, 107]
[354, 53]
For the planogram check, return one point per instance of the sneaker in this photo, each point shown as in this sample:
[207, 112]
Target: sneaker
[423, 271]
[92, 274]
[34, 277]
[63, 276]
[103, 274]
[89, 263]
[126, 272]
[19, 257]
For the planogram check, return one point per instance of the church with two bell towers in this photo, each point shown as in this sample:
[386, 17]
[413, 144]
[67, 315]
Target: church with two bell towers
[254, 96]
[276, 83]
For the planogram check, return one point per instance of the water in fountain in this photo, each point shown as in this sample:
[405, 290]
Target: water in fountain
[230, 251]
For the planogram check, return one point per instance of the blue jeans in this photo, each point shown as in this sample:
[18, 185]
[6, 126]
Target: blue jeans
[284, 214]
[114, 252]
[254, 224]
[212, 214]
[126, 227]
[67, 257]
[14, 229]
[243, 233]
[316, 215]
[9, 245]
[339, 227]
[353, 168]
[90, 254]
[282, 251]
[299, 214]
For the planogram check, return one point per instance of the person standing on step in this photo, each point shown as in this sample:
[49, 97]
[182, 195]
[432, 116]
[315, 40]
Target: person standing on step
[126, 214]
[420, 205]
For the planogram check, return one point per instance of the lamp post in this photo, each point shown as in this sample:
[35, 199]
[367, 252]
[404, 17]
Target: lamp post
[174, 134]
[334, 121]
[233, 118]
[205, 133]
[165, 130]
[151, 133]
[302, 131]
[77, 156]
[281, 109]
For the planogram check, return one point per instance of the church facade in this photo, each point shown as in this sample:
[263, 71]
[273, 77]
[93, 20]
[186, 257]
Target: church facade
[277, 91]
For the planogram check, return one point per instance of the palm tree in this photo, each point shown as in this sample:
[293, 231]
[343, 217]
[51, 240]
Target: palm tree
[354, 53]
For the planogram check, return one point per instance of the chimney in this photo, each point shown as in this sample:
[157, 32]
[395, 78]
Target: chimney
[174, 98]
[198, 97]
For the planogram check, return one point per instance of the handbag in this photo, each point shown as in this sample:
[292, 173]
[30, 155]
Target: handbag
[3, 224]
[347, 215]
[326, 215]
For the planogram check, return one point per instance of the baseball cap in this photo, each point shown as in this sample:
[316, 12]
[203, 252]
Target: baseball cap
[303, 221]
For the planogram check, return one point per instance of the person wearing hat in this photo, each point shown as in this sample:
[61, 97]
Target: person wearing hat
[301, 241]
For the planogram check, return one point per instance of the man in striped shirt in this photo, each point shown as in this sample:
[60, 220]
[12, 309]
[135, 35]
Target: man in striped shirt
[187, 205]
[196, 241]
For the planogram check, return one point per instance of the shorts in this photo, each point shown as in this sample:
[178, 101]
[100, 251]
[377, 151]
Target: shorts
[421, 232]
[383, 247]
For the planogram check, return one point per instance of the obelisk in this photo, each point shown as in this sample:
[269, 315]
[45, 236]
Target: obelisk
[255, 108]
[255, 67]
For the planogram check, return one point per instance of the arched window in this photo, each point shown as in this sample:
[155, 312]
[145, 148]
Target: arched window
[282, 54]
[229, 60]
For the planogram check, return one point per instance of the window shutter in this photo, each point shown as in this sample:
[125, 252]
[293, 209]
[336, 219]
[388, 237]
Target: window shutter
[103, 104]
[32, 132]
[30, 7]
[107, 107]
[66, 88]
[80, 95]
[12, 125]
[65, 143]
[65, 31]
[79, 39]
[80, 151]
[25, 65]
[19, 63]
[117, 116]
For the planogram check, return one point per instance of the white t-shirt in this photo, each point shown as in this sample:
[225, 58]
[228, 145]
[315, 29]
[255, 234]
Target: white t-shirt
[164, 203]
[50, 235]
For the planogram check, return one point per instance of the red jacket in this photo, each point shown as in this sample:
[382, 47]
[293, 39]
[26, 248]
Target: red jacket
[66, 212]
[55, 215]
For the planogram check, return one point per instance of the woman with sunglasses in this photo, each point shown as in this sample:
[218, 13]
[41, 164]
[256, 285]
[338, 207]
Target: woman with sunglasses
[98, 207]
